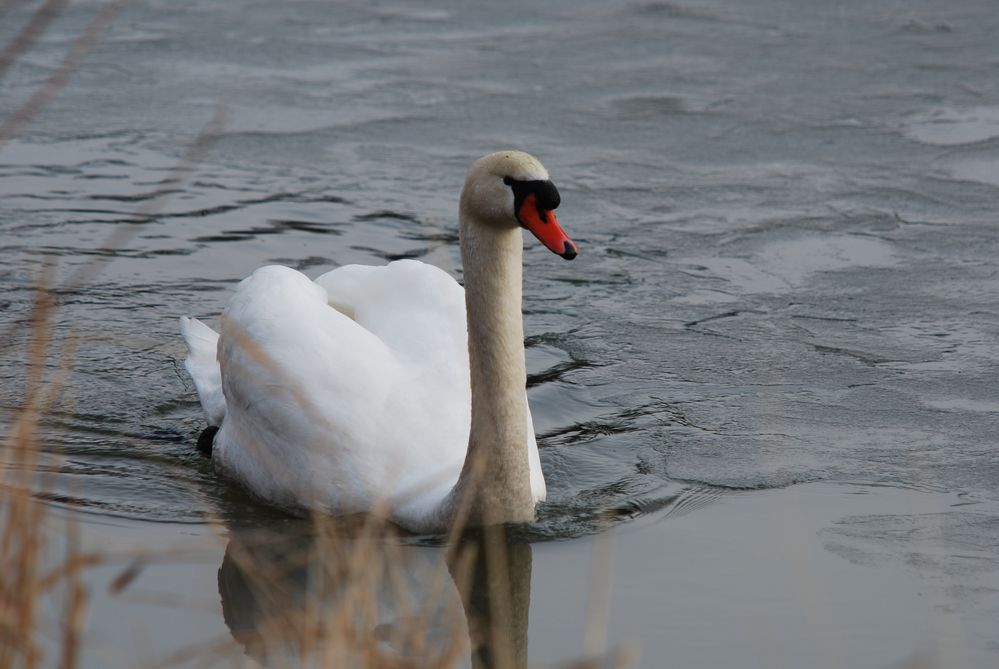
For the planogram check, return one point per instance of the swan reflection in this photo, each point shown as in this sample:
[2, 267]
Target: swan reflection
[326, 593]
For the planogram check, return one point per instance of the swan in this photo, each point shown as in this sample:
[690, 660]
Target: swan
[388, 387]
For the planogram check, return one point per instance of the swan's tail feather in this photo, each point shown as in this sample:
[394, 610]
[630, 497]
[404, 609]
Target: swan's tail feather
[203, 366]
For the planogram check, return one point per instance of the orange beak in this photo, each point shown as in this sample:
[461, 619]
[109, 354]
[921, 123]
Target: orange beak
[543, 223]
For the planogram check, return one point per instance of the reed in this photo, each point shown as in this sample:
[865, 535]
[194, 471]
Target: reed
[30, 575]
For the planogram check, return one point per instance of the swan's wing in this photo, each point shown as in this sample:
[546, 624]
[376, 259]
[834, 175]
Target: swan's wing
[416, 309]
[322, 411]
[419, 310]
[203, 366]
[303, 385]
[338, 408]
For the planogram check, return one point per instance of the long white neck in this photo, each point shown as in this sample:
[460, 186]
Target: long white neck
[495, 482]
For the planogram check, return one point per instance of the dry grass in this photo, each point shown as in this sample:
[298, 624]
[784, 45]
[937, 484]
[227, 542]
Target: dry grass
[329, 594]
[352, 593]
[28, 577]
[28, 574]
[74, 58]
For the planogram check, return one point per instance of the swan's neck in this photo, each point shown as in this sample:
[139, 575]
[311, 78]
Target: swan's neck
[495, 481]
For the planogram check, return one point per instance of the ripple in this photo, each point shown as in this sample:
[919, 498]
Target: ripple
[949, 126]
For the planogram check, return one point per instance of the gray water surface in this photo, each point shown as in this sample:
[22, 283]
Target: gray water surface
[787, 216]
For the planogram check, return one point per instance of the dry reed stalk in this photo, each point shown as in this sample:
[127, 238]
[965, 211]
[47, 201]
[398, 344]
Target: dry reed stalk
[336, 620]
[21, 525]
[23, 519]
[24, 40]
[809, 587]
[598, 606]
[77, 52]
[76, 598]
[123, 233]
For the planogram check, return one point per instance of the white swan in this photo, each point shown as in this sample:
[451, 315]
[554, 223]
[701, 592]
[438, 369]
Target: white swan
[369, 386]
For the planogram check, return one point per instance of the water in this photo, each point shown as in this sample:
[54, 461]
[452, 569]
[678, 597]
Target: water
[784, 302]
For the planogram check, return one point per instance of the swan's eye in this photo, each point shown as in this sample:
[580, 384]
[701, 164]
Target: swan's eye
[546, 194]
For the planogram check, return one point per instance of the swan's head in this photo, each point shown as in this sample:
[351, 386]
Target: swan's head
[512, 188]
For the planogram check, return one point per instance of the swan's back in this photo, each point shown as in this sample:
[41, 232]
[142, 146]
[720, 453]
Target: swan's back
[332, 408]
[416, 309]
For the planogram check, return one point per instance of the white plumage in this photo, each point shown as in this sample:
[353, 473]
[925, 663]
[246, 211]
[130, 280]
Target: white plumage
[343, 392]
[355, 389]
